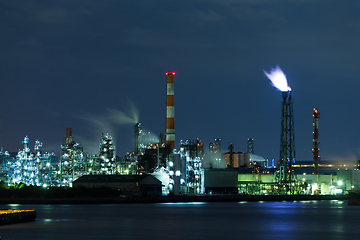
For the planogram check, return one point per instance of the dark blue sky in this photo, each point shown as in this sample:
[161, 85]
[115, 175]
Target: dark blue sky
[90, 65]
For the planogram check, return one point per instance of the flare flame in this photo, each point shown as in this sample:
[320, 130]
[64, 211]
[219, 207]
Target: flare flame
[278, 79]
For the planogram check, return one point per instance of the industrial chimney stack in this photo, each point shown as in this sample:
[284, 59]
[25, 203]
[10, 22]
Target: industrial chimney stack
[138, 131]
[315, 150]
[287, 139]
[170, 111]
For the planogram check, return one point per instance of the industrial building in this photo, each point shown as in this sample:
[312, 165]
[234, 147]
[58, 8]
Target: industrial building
[127, 185]
[219, 181]
[348, 179]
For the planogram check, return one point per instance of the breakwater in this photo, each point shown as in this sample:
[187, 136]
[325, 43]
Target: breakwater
[16, 216]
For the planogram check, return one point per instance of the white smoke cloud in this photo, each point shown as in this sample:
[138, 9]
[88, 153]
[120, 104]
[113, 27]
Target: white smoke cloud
[106, 123]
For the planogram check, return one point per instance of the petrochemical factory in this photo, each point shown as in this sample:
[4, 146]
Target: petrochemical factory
[155, 167]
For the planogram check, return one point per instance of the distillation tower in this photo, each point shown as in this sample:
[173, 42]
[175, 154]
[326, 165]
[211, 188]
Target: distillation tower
[72, 159]
[32, 168]
[185, 168]
[315, 150]
[107, 154]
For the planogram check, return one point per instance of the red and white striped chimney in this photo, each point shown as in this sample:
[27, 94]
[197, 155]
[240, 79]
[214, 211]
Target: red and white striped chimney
[170, 111]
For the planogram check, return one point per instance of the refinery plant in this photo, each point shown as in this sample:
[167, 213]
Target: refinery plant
[186, 170]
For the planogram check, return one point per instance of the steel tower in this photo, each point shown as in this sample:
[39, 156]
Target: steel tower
[287, 139]
[316, 116]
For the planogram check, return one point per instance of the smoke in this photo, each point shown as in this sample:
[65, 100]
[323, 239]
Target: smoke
[120, 117]
[106, 123]
[278, 79]
[99, 124]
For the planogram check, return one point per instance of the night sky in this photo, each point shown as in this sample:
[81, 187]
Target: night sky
[98, 66]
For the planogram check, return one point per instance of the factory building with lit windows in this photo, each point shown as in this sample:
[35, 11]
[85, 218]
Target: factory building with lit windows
[333, 178]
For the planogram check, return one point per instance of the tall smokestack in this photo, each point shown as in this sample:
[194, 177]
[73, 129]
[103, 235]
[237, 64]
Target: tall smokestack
[138, 130]
[315, 150]
[170, 111]
[68, 139]
[287, 138]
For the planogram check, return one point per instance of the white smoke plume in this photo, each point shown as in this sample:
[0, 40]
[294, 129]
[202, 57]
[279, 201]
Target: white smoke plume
[106, 123]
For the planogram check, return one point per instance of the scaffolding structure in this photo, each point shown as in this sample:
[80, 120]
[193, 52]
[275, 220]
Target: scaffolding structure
[72, 159]
[31, 168]
[287, 139]
[193, 152]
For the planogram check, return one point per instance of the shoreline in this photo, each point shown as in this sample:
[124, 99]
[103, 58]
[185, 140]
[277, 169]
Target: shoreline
[177, 199]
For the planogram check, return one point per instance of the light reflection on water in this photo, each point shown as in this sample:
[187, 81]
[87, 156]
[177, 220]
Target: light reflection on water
[246, 220]
[184, 203]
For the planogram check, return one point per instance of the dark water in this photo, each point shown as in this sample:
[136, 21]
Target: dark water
[245, 220]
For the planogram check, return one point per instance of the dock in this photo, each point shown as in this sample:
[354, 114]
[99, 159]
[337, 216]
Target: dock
[11, 216]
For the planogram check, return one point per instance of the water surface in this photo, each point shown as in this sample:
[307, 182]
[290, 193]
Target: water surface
[243, 220]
